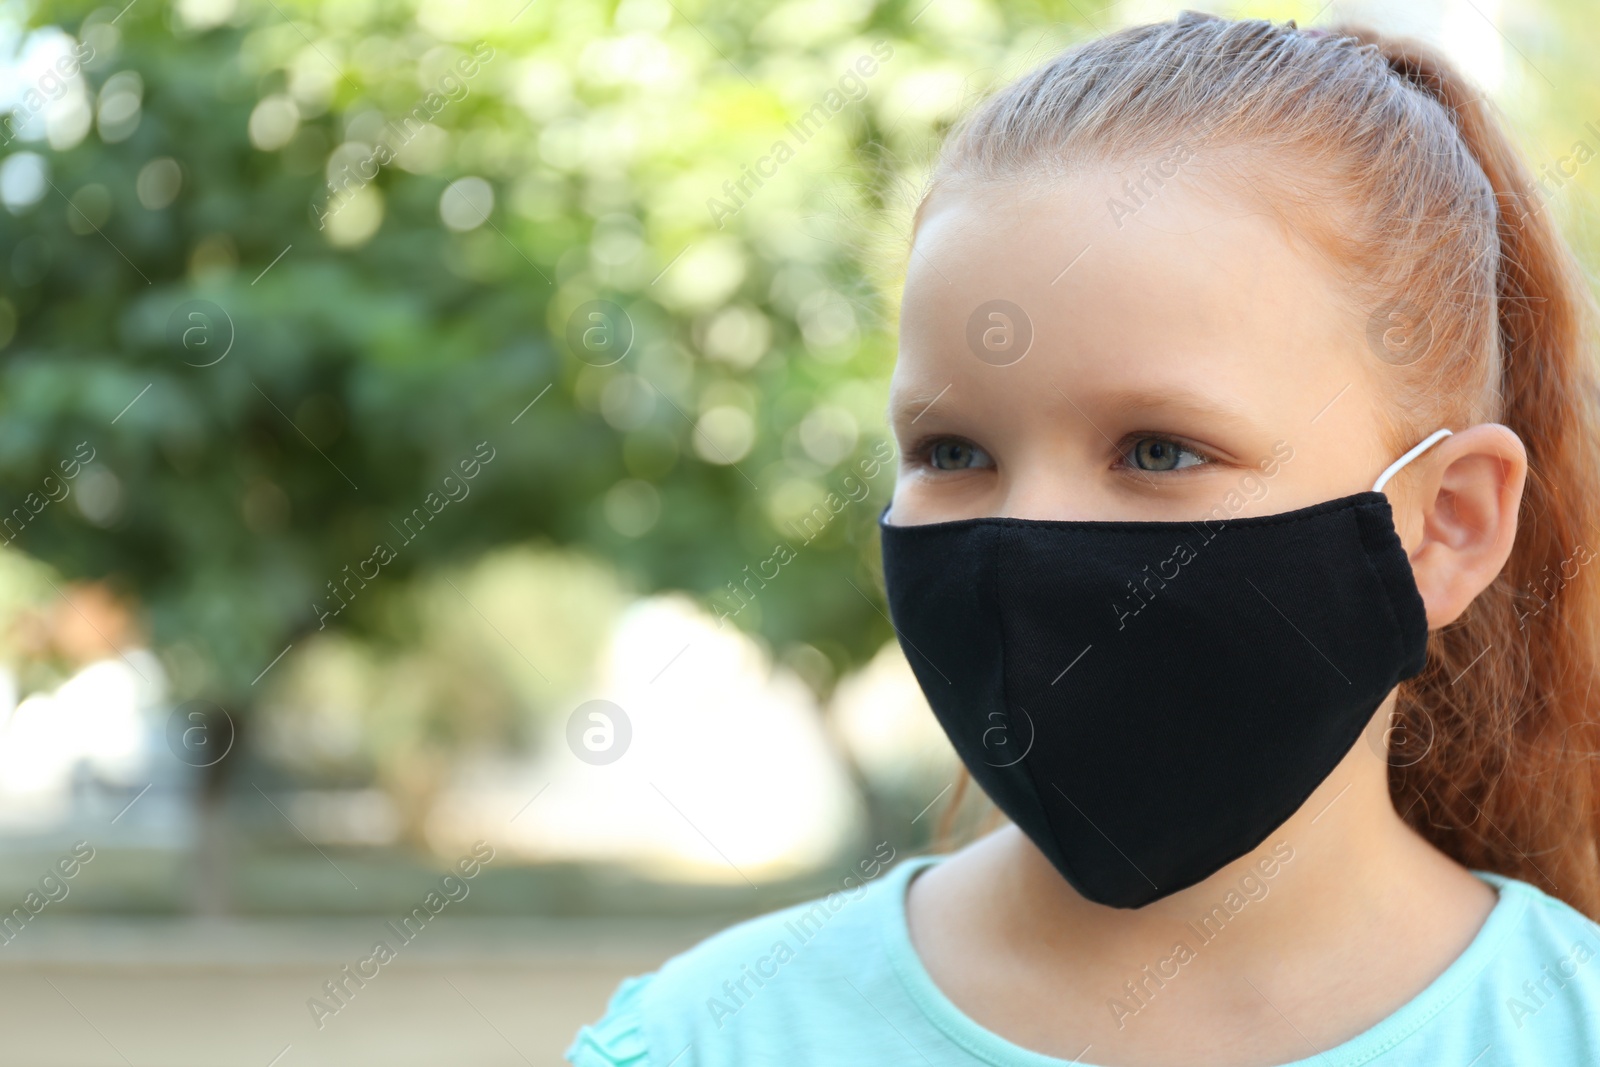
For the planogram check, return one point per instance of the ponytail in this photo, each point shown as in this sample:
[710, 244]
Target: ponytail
[1501, 733]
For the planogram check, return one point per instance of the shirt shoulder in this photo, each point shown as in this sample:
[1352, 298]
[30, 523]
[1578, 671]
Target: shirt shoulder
[1528, 990]
[1548, 983]
[617, 1038]
[752, 993]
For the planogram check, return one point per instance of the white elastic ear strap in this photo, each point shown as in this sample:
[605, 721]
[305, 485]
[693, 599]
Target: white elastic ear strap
[1437, 435]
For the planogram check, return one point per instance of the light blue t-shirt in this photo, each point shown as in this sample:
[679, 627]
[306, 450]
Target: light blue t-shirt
[814, 985]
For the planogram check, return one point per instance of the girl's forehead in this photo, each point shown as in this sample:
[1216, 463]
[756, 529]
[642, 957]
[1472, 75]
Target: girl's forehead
[1063, 236]
[1029, 300]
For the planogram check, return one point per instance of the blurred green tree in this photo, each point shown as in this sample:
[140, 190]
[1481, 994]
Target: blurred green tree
[281, 277]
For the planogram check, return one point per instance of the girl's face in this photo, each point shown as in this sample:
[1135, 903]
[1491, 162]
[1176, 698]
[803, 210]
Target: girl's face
[1190, 356]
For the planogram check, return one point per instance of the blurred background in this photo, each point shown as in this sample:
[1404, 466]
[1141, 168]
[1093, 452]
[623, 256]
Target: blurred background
[431, 431]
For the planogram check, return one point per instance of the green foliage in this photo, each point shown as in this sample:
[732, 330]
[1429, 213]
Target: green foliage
[375, 349]
[384, 345]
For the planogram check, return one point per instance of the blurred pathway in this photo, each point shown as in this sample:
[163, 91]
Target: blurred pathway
[163, 993]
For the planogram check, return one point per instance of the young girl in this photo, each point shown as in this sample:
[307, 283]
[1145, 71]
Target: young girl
[1249, 457]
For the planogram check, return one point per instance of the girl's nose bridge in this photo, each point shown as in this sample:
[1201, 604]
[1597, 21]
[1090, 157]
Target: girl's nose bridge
[1049, 485]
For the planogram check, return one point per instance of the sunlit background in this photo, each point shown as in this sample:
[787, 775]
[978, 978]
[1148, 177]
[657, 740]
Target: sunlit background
[430, 423]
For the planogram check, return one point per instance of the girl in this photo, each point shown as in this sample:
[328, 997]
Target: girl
[1249, 453]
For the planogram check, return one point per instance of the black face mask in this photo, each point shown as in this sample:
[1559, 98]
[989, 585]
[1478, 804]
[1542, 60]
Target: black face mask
[1148, 701]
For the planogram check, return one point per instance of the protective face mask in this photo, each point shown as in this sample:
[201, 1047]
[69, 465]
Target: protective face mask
[1149, 700]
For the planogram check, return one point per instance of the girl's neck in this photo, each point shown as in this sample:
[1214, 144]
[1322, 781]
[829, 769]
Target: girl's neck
[1351, 887]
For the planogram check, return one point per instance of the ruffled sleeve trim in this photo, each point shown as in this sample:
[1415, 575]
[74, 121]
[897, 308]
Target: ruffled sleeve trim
[618, 1038]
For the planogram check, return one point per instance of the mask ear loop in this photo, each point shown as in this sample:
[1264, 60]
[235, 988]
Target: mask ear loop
[1437, 435]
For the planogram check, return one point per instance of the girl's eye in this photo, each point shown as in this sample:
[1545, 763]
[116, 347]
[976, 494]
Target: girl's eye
[1163, 454]
[953, 454]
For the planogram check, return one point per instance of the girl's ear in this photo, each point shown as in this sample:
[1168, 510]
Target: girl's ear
[1459, 519]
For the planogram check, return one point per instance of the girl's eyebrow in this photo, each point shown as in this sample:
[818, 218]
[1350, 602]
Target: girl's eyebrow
[1222, 409]
[912, 407]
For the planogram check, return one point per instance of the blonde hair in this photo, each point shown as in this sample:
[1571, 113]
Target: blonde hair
[1381, 157]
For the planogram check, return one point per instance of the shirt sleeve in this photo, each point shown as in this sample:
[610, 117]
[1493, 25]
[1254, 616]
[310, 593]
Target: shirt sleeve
[617, 1039]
